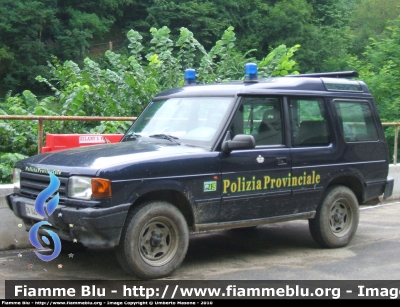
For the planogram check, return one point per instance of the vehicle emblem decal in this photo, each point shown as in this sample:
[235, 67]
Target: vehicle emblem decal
[210, 186]
[260, 159]
[41, 170]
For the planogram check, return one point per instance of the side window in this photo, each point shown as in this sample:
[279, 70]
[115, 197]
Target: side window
[308, 122]
[260, 117]
[356, 121]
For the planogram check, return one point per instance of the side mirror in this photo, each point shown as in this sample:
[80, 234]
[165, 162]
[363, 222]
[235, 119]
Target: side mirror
[240, 141]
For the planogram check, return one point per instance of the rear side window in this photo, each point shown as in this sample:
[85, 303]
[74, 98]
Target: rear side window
[356, 121]
[309, 126]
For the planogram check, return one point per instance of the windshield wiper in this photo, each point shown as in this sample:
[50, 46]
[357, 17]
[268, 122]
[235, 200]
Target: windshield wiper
[166, 137]
[132, 137]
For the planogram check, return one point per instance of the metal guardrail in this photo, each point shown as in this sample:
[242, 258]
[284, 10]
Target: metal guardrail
[42, 118]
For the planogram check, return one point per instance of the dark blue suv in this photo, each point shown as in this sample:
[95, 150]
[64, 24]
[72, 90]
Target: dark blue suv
[218, 156]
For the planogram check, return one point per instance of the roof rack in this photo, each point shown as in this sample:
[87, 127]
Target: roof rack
[338, 74]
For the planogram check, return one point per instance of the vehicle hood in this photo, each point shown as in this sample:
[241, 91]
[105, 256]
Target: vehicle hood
[93, 158]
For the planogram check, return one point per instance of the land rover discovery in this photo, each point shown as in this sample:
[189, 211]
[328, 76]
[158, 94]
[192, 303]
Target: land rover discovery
[217, 156]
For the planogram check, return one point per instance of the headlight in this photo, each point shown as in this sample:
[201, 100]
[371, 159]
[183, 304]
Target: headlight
[80, 187]
[87, 187]
[17, 178]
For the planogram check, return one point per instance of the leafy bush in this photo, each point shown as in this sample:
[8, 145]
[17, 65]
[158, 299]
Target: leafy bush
[125, 86]
[6, 164]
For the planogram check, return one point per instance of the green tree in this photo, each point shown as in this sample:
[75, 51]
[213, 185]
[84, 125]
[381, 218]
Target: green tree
[32, 31]
[369, 20]
[208, 19]
[26, 28]
[325, 38]
[379, 67]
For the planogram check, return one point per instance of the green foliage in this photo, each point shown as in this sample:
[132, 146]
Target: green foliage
[24, 28]
[324, 36]
[329, 31]
[333, 34]
[223, 61]
[369, 20]
[379, 67]
[279, 62]
[7, 162]
[32, 31]
[128, 83]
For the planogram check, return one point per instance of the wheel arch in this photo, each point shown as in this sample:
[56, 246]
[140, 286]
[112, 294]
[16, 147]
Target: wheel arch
[174, 197]
[352, 182]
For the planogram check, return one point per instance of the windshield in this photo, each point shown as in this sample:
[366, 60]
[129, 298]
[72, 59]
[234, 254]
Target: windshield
[193, 121]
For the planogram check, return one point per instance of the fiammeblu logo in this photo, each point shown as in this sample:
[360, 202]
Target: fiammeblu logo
[45, 210]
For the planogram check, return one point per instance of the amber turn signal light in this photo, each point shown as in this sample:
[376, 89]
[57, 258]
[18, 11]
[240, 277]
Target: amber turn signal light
[101, 188]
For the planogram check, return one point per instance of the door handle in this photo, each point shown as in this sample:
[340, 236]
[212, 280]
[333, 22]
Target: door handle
[281, 161]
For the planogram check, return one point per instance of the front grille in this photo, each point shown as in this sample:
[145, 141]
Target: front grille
[32, 184]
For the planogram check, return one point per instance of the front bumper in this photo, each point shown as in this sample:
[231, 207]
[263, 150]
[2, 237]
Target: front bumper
[93, 227]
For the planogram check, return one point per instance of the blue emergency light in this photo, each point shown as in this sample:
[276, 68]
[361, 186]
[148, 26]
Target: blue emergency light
[250, 73]
[190, 76]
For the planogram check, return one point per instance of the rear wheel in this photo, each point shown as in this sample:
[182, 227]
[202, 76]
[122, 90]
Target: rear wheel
[154, 240]
[336, 219]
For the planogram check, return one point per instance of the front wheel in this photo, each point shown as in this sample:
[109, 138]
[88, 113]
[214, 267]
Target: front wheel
[336, 219]
[154, 240]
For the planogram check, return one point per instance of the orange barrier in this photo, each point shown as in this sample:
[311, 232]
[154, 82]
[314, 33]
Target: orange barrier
[56, 142]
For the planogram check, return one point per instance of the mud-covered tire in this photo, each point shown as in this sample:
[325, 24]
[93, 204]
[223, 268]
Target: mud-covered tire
[154, 241]
[336, 219]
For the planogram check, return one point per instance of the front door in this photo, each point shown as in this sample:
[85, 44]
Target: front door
[256, 182]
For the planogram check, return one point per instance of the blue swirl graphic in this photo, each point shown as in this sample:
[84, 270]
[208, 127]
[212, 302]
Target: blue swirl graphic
[35, 242]
[45, 194]
[45, 211]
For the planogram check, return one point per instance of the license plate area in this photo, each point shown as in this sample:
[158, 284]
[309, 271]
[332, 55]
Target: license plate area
[31, 212]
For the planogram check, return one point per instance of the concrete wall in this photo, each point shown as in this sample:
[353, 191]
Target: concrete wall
[394, 171]
[12, 231]
[12, 236]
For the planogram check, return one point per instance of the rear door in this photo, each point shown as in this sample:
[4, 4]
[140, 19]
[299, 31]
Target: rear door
[366, 149]
[314, 154]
